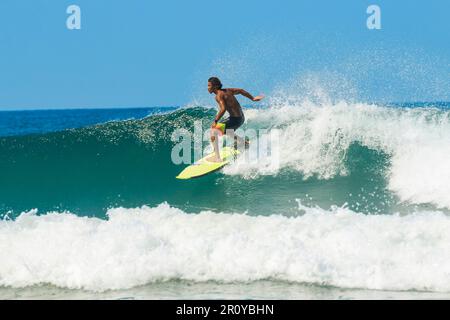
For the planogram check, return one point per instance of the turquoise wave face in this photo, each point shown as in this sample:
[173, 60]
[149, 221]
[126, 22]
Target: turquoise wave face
[128, 164]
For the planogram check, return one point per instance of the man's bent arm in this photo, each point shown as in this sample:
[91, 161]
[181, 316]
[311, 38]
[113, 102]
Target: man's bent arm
[222, 109]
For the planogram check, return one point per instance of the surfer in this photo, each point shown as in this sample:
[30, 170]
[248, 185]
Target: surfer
[227, 102]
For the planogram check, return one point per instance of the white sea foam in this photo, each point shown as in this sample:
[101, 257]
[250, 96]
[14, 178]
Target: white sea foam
[315, 139]
[143, 245]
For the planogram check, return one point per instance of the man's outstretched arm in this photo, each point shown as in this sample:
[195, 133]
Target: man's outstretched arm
[246, 94]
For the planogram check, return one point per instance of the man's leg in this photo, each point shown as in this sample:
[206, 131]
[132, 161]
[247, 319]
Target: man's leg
[233, 125]
[238, 139]
[215, 143]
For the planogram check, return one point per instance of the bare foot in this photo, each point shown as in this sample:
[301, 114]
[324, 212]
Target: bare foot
[213, 158]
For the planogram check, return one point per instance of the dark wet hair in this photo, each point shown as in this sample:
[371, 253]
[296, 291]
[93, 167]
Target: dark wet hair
[215, 82]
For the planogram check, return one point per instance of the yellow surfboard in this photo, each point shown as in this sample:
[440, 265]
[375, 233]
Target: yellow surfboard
[203, 166]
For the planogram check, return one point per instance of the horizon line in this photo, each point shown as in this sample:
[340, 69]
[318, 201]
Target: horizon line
[82, 108]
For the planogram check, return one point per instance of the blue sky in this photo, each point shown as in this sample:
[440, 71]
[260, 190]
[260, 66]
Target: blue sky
[140, 53]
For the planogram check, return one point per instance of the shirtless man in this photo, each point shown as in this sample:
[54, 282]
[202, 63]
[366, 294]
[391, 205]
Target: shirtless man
[227, 102]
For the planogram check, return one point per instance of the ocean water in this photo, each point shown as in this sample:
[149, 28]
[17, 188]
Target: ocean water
[358, 207]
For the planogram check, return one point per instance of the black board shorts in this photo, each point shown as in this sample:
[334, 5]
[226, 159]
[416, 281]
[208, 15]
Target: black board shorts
[230, 123]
